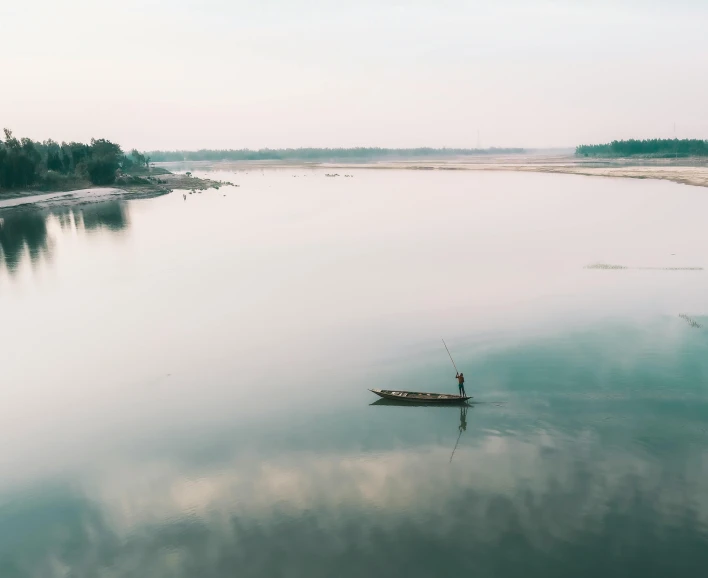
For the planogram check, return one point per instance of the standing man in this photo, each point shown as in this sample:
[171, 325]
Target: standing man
[461, 382]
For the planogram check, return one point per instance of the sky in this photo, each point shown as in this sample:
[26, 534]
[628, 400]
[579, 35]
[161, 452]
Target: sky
[192, 74]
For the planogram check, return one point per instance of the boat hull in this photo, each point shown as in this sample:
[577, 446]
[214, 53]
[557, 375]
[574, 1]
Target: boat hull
[419, 397]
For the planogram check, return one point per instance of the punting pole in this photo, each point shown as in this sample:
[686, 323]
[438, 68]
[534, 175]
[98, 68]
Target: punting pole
[451, 359]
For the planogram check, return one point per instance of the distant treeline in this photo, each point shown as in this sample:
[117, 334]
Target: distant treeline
[24, 162]
[657, 147]
[318, 154]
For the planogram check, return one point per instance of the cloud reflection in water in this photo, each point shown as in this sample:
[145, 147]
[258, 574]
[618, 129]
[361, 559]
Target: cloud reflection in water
[506, 502]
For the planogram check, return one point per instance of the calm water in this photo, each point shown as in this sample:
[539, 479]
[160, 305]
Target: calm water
[184, 382]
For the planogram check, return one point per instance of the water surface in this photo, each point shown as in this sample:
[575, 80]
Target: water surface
[185, 381]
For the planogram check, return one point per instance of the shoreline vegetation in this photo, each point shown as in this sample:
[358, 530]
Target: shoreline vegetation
[650, 148]
[324, 154]
[30, 167]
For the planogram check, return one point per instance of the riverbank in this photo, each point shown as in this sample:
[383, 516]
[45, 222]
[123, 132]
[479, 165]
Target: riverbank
[161, 182]
[688, 171]
[695, 176]
[691, 171]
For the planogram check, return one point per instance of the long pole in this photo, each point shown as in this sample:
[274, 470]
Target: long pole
[457, 442]
[451, 359]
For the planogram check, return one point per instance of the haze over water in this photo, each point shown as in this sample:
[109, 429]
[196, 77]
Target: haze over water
[185, 381]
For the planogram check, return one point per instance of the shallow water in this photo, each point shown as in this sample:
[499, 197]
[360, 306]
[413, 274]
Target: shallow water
[185, 381]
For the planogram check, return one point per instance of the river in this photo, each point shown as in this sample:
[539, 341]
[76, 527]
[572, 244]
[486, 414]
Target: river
[185, 379]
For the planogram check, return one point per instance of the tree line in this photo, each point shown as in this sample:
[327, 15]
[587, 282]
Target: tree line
[651, 147]
[319, 154]
[24, 162]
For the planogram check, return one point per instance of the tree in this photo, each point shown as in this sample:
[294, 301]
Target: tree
[19, 161]
[78, 152]
[10, 141]
[654, 147]
[138, 158]
[126, 163]
[54, 162]
[104, 160]
[23, 162]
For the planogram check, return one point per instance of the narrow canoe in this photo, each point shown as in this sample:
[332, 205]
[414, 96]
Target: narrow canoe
[419, 397]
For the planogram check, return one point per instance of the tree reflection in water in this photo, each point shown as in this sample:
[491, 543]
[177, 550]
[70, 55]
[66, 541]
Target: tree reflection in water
[24, 231]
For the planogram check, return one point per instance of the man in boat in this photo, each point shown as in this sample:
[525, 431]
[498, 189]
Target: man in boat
[461, 382]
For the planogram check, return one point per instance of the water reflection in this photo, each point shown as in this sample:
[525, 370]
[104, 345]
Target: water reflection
[463, 418]
[554, 503]
[262, 454]
[22, 232]
[25, 231]
[111, 216]
[462, 428]
[544, 485]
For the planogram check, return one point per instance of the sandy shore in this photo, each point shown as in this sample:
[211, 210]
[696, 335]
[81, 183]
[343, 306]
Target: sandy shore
[684, 171]
[169, 182]
[687, 172]
[697, 176]
[87, 195]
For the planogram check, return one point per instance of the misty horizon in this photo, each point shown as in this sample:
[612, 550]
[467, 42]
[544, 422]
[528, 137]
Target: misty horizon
[230, 75]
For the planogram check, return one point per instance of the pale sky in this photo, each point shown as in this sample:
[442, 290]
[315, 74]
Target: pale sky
[289, 73]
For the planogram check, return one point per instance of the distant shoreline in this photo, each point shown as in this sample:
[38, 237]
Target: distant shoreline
[692, 171]
[689, 171]
[318, 154]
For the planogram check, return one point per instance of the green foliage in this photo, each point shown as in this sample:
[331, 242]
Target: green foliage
[54, 162]
[651, 147]
[24, 162]
[319, 154]
[139, 159]
[126, 164]
[103, 162]
[18, 162]
[101, 171]
[135, 162]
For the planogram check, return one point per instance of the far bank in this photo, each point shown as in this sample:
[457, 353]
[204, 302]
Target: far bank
[688, 171]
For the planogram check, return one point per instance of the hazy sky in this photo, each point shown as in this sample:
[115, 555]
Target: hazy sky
[278, 73]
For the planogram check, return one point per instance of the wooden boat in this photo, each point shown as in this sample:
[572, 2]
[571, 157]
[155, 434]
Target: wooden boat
[419, 397]
[383, 402]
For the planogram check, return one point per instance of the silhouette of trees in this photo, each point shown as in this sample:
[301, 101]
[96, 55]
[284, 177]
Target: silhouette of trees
[103, 161]
[650, 147]
[18, 162]
[359, 153]
[24, 162]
